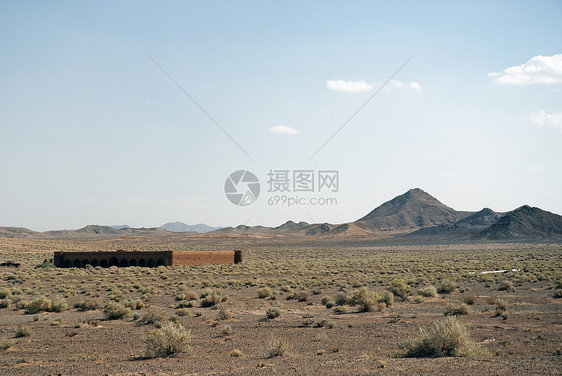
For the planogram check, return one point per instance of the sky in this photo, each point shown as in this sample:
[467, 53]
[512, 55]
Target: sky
[137, 112]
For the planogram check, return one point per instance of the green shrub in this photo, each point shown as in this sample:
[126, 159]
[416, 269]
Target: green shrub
[4, 303]
[428, 292]
[23, 331]
[446, 338]
[339, 310]
[400, 289]
[135, 305]
[340, 298]
[153, 316]
[170, 340]
[212, 299]
[557, 294]
[115, 311]
[224, 313]
[5, 293]
[447, 286]
[506, 286]
[264, 292]
[87, 305]
[39, 304]
[6, 343]
[277, 347]
[457, 309]
[367, 300]
[58, 305]
[272, 312]
[183, 312]
[325, 324]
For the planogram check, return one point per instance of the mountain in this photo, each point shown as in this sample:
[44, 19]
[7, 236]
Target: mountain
[462, 229]
[182, 227]
[409, 211]
[17, 232]
[120, 227]
[290, 225]
[525, 223]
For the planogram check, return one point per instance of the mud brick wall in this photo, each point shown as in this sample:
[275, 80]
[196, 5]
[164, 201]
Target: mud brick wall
[203, 257]
[150, 259]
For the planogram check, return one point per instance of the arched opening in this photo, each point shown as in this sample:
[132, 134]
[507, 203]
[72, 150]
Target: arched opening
[85, 262]
[103, 263]
[67, 263]
[142, 262]
[113, 261]
[151, 263]
[160, 262]
[124, 263]
[95, 262]
[77, 264]
[133, 262]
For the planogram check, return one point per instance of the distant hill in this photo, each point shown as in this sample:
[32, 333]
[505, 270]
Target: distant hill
[525, 223]
[414, 217]
[411, 210]
[182, 227]
[17, 232]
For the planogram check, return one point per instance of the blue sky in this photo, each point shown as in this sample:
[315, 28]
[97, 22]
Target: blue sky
[93, 132]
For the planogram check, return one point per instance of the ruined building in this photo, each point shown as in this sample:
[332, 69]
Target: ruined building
[106, 259]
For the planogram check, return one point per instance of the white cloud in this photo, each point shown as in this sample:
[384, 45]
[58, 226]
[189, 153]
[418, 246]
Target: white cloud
[539, 70]
[283, 129]
[349, 86]
[553, 120]
[399, 85]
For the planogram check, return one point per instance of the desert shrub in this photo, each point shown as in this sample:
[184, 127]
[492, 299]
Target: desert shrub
[447, 338]
[447, 286]
[169, 340]
[501, 306]
[506, 286]
[264, 292]
[340, 298]
[183, 312]
[339, 310]
[153, 316]
[5, 293]
[224, 313]
[58, 305]
[185, 304]
[272, 312]
[135, 305]
[428, 292]
[387, 298]
[367, 300]
[115, 311]
[457, 309]
[4, 303]
[23, 331]
[400, 289]
[470, 300]
[325, 299]
[39, 304]
[557, 294]
[418, 299]
[277, 347]
[212, 299]
[6, 343]
[226, 330]
[236, 353]
[325, 324]
[302, 296]
[87, 305]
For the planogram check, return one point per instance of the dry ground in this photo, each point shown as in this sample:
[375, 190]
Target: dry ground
[526, 340]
